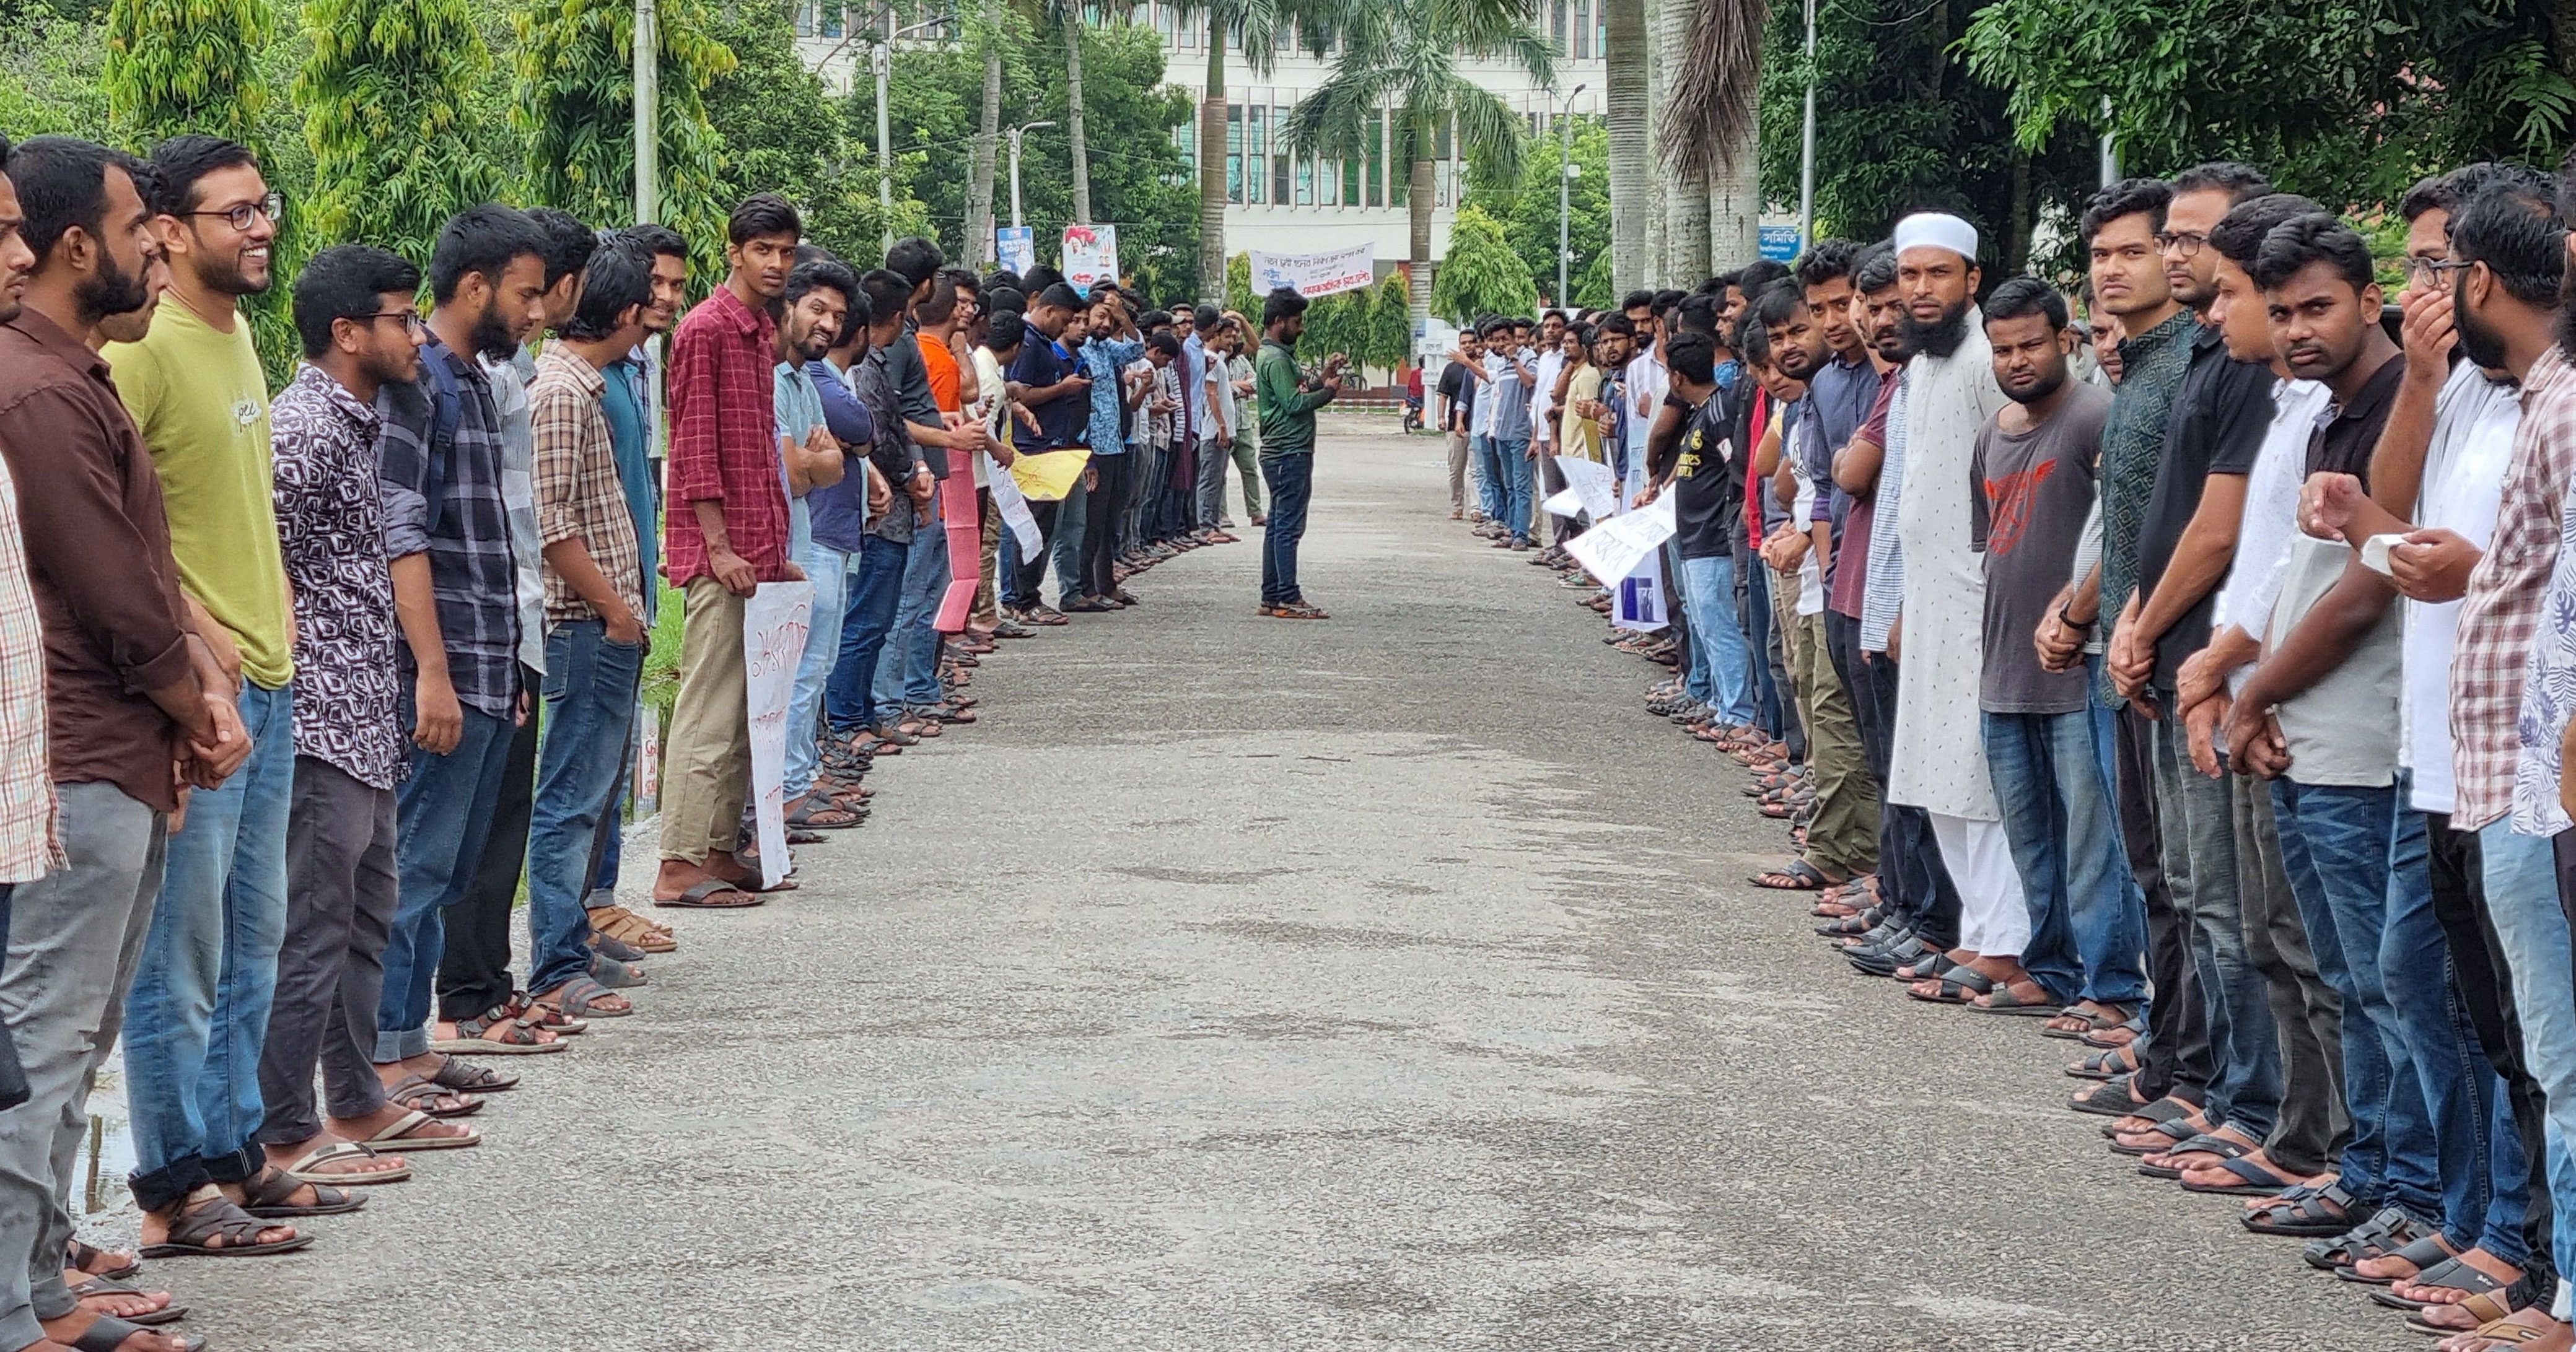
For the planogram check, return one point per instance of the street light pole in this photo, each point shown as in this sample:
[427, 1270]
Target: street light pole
[1565, 172]
[648, 102]
[1807, 142]
[881, 63]
[1016, 133]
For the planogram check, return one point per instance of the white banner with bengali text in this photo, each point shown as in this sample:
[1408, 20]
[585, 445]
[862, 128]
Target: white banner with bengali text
[774, 623]
[1612, 549]
[1315, 274]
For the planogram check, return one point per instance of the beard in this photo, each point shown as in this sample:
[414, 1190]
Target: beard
[111, 291]
[2048, 385]
[490, 336]
[1943, 337]
[227, 278]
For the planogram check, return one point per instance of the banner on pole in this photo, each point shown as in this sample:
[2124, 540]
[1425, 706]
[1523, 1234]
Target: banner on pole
[1090, 255]
[1779, 243]
[774, 623]
[1016, 247]
[1315, 274]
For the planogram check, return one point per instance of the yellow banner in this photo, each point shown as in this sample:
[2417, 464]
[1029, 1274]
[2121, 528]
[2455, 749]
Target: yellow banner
[1047, 476]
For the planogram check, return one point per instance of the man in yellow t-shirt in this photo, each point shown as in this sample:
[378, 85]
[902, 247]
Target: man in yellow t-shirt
[198, 1012]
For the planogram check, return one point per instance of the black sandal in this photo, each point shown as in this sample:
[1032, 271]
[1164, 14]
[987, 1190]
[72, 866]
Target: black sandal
[468, 1078]
[100, 1286]
[1801, 877]
[81, 1255]
[265, 1197]
[218, 1218]
[109, 1333]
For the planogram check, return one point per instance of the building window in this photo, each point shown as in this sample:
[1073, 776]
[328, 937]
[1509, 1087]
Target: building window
[1186, 136]
[1582, 30]
[1279, 157]
[805, 19]
[1163, 24]
[1256, 149]
[1556, 25]
[836, 18]
[1233, 152]
[1399, 161]
[1376, 168]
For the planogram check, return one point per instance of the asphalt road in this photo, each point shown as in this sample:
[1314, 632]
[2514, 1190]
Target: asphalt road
[1238, 983]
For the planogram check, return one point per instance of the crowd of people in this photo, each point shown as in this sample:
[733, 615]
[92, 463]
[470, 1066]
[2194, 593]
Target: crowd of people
[298, 693]
[2253, 579]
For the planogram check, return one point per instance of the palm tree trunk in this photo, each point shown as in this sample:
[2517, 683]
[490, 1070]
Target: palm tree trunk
[1632, 161]
[1073, 126]
[988, 130]
[1419, 199]
[1735, 206]
[1685, 195]
[1212, 170]
[1658, 70]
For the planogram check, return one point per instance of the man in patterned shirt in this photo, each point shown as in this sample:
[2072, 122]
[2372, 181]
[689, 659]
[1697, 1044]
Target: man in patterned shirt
[354, 311]
[447, 532]
[725, 535]
[595, 635]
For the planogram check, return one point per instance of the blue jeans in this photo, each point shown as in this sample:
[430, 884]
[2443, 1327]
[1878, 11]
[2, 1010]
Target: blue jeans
[2088, 921]
[1489, 477]
[2522, 898]
[1292, 482]
[590, 691]
[829, 570]
[197, 1015]
[1722, 669]
[867, 616]
[443, 814]
[1512, 453]
[908, 672]
[1769, 712]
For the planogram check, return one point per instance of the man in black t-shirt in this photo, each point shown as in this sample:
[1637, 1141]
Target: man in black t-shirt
[1707, 484]
[1457, 391]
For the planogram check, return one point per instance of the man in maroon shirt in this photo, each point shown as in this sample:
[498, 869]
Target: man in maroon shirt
[726, 534]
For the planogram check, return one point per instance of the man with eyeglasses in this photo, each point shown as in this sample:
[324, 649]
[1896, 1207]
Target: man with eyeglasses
[199, 1009]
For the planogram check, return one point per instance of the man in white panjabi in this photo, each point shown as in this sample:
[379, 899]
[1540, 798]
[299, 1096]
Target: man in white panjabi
[1939, 760]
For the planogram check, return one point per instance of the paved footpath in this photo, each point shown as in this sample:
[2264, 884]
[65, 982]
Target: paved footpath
[1246, 984]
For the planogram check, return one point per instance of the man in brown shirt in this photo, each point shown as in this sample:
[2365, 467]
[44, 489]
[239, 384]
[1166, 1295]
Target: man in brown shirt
[139, 707]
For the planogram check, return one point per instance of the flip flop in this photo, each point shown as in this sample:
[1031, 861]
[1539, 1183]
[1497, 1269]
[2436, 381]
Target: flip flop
[2202, 1144]
[2453, 1275]
[2003, 1001]
[79, 1256]
[1802, 876]
[468, 1078]
[2112, 1098]
[2425, 1253]
[2487, 1307]
[2255, 1181]
[701, 897]
[419, 1095]
[302, 1170]
[109, 1332]
[397, 1135]
[101, 1286]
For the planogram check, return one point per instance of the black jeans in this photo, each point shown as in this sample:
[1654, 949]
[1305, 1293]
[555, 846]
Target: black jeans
[1292, 482]
[2176, 1057]
[1911, 878]
[474, 970]
[1102, 512]
[1024, 576]
[2483, 983]
[340, 899]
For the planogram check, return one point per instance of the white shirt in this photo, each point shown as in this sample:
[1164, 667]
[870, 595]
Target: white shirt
[1811, 574]
[2473, 427]
[1647, 384]
[993, 405]
[1551, 364]
[2271, 517]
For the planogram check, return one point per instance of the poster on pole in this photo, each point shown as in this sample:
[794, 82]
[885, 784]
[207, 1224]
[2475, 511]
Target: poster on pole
[1090, 255]
[774, 622]
[1315, 274]
[1780, 243]
[1639, 599]
[1016, 247]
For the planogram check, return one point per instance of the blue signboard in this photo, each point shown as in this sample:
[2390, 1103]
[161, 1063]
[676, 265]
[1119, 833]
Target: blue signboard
[1780, 242]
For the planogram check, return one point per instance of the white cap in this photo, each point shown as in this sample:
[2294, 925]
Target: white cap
[1940, 230]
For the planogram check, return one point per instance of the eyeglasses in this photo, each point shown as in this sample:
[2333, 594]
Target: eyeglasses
[413, 325]
[271, 208]
[2183, 242]
[2429, 271]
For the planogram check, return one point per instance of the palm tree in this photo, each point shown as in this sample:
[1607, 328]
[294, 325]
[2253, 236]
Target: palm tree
[988, 131]
[1708, 126]
[1254, 27]
[1685, 194]
[1405, 56]
[1069, 14]
[1632, 172]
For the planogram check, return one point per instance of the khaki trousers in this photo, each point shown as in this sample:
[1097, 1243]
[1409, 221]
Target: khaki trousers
[708, 774]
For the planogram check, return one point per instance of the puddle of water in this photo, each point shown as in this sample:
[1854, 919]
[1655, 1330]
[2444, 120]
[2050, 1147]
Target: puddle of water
[107, 1154]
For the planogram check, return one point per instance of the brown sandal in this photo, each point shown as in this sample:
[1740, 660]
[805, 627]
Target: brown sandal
[633, 930]
[496, 1032]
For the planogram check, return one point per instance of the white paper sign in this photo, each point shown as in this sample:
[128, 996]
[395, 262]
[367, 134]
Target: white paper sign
[1612, 549]
[1638, 601]
[1592, 483]
[1090, 255]
[1567, 503]
[1315, 274]
[1014, 507]
[774, 622]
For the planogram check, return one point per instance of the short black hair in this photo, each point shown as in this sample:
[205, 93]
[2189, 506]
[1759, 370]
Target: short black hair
[1061, 296]
[1692, 356]
[2021, 297]
[614, 281]
[2238, 236]
[1752, 342]
[1826, 260]
[1555, 314]
[1282, 303]
[660, 241]
[1717, 285]
[569, 243]
[1166, 342]
[999, 278]
[888, 292]
[1039, 277]
[484, 239]
[180, 163]
[2238, 181]
[964, 279]
[2147, 197]
[1004, 331]
[1637, 300]
[918, 259]
[1204, 317]
[2451, 191]
[1618, 323]
[999, 298]
[1778, 304]
[764, 213]
[345, 281]
[2302, 241]
[824, 272]
[1760, 274]
[62, 183]
[1874, 269]
[1154, 319]
[2519, 231]
[940, 305]
[1698, 313]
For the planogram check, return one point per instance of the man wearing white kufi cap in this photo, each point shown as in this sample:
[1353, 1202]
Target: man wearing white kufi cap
[1939, 758]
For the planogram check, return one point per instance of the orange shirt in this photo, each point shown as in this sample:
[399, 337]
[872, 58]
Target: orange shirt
[941, 366]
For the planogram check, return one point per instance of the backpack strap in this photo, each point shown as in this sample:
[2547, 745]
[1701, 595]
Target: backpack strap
[446, 414]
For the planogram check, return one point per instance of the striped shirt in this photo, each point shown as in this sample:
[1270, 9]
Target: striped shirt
[28, 843]
[465, 532]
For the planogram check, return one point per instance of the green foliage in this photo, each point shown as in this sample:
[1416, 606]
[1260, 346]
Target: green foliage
[1406, 55]
[785, 133]
[50, 76]
[1389, 340]
[574, 108]
[1481, 275]
[1527, 207]
[187, 65]
[1238, 288]
[383, 93]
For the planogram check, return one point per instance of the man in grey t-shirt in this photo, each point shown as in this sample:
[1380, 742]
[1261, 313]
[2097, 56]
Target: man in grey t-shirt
[2034, 469]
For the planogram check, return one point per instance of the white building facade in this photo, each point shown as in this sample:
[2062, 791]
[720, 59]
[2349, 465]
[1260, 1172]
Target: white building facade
[1278, 201]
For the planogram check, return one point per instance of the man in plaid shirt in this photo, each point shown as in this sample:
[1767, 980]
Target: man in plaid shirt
[726, 534]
